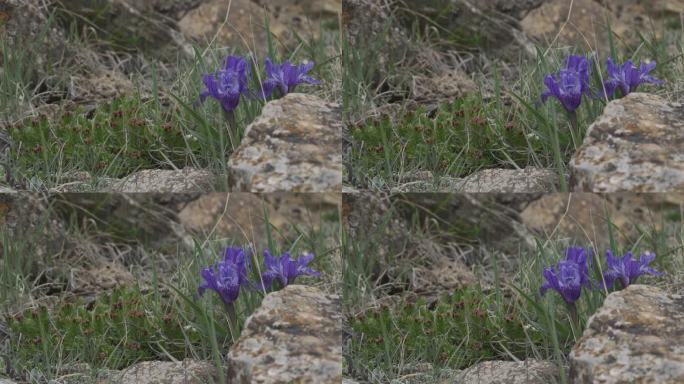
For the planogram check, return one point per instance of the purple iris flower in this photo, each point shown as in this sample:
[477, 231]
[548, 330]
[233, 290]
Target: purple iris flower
[627, 77]
[569, 275]
[626, 269]
[227, 275]
[228, 84]
[285, 77]
[570, 83]
[284, 269]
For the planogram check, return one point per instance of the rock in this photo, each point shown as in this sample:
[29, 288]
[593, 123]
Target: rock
[295, 336]
[175, 9]
[125, 26]
[26, 216]
[238, 23]
[580, 218]
[529, 371]
[24, 22]
[637, 336]
[517, 8]
[294, 145]
[636, 145]
[166, 181]
[496, 180]
[586, 21]
[138, 217]
[98, 83]
[7, 381]
[484, 220]
[232, 216]
[527, 180]
[441, 88]
[187, 371]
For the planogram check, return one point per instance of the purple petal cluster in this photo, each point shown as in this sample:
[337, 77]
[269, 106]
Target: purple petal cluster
[284, 269]
[227, 275]
[570, 83]
[286, 77]
[573, 81]
[626, 269]
[569, 275]
[627, 77]
[228, 84]
[231, 82]
[232, 272]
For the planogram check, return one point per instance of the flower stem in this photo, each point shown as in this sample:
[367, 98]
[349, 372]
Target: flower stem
[574, 127]
[232, 128]
[232, 318]
[558, 158]
[574, 318]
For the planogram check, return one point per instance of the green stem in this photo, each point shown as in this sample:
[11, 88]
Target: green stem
[232, 128]
[232, 319]
[574, 127]
[574, 318]
[558, 159]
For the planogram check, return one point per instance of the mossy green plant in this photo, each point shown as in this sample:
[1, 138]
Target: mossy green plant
[114, 331]
[454, 140]
[113, 140]
[455, 331]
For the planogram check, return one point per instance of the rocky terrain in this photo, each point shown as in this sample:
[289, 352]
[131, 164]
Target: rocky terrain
[431, 251]
[483, 49]
[84, 56]
[89, 246]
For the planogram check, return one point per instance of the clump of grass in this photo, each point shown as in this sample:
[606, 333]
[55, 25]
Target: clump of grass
[113, 140]
[455, 140]
[115, 331]
[456, 331]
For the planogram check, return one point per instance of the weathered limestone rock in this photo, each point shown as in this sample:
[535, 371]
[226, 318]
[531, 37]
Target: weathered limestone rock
[7, 381]
[131, 27]
[294, 337]
[144, 217]
[232, 216]
[579, 217]
[529, 371]
[585, 16]
[165, 372]
[240, 23]
[637, 336]
[636, 145]
[166, 181]
[497, 180]
[527, 180]
[295, 145]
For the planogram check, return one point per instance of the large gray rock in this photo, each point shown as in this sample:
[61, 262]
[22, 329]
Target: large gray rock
[527, 180]
[529, 371]
[166, 372]
[294, 145]
[125, 24]
[495, 180]
[166, 181]
[580, 218]
[636, 145]
[637, 336]
[240, 23]
[294, 337]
